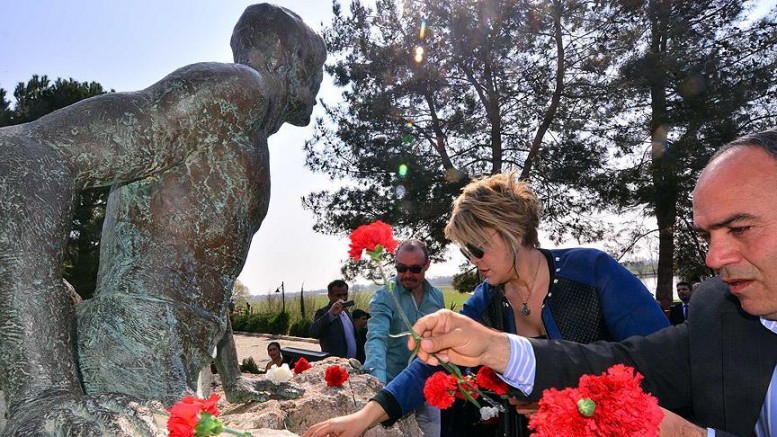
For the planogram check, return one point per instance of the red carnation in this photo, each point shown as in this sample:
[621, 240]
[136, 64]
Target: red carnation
[440, 390]
[611, 404]
[368, 237]
[301, 365]
[185, 414]
[487, 380]
[467, 384]
[335, 376]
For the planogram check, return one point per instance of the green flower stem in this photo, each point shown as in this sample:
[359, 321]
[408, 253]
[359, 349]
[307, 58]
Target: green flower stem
[236, 432]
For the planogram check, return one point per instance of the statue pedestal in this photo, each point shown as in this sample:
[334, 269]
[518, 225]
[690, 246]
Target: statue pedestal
[319, 403]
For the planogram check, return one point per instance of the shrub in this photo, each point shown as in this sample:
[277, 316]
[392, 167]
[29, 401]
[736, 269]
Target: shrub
[279, 323]
[466, 281]
[239, 322]
[300, 328]
[257, 323]
[249, 366]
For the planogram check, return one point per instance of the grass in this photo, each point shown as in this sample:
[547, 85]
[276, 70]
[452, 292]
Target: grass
[272, 304]
[453, 299]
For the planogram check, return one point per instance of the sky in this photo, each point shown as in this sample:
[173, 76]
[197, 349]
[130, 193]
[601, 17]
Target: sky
[127, 46]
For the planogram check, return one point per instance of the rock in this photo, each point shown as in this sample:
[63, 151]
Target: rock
[319, 403]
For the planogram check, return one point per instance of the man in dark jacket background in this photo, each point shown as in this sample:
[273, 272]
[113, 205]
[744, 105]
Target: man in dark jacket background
[333, 326]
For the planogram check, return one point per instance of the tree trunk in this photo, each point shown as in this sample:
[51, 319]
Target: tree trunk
[663, 172]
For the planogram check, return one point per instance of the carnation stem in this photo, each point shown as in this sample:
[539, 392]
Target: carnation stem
[453, 369]
[236, 432]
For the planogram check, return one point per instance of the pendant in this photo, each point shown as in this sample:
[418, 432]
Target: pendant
[525, 310]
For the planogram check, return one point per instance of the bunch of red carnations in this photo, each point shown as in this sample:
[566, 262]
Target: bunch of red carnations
[611, 404]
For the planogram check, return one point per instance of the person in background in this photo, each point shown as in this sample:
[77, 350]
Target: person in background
[722, 362]
[333, 326]
[276, 357]
[578, 294]
[360, 318]
[387, 356]
[678, 312]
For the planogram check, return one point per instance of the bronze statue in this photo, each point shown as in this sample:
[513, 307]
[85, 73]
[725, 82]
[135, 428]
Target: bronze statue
[187, 160]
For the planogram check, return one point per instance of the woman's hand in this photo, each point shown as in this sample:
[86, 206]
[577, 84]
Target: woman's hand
[352, 425]
[523, 407]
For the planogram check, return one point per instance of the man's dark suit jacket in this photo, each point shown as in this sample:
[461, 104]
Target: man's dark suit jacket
[330, 334]
[718, 365]
[676, 315]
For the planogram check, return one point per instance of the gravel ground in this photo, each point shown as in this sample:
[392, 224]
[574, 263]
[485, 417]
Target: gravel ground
[255, 345]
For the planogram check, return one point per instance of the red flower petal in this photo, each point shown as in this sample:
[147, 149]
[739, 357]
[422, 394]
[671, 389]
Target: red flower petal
[185, 414]
[367, 237]
[622, 408]
[487, 379]
[301, 365]
[335, 376]
[439, 390]
[469, 385]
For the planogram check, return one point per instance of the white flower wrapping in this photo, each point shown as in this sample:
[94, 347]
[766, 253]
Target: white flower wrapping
[487, 413]
[279, 374]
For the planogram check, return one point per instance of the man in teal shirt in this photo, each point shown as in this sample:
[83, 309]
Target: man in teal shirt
[388, 356]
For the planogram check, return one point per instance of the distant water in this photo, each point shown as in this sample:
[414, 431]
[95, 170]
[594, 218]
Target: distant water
[650, 283]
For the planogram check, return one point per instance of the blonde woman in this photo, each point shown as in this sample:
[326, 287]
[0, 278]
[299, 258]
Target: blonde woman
[576, 294]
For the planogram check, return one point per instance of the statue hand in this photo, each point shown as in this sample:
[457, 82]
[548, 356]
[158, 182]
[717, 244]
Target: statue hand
[105, 414]
[244, 390]
[261, 390]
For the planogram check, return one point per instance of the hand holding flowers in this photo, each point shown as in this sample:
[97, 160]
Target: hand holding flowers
[440, 390]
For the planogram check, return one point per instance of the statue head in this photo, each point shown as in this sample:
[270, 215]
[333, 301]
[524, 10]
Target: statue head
[274, 40]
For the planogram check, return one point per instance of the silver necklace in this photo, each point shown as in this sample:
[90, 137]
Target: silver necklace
[526, 311]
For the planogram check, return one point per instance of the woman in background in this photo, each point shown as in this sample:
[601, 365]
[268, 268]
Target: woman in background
[276, 357]
[577, 294]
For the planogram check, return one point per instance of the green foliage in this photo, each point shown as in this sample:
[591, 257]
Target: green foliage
[249, 366]
[279, 323]
[240, 294]
[466, 281]
[5, 109]
[266, 315]
[302, 303]
[35, 99]
[480, 102]
[454, 299]
[689, 91]
[605, 108]
[39, 96]
[300, 328]
[254, 322]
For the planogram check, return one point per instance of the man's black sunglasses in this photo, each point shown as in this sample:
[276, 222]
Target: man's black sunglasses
[401, 268]
[471, 252]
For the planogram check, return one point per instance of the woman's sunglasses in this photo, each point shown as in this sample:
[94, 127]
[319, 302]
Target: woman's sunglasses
[401, 268]
[472, 252]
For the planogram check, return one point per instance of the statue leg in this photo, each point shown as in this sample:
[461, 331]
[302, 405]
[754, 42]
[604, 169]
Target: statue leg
[36, 198]
[146, 333]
